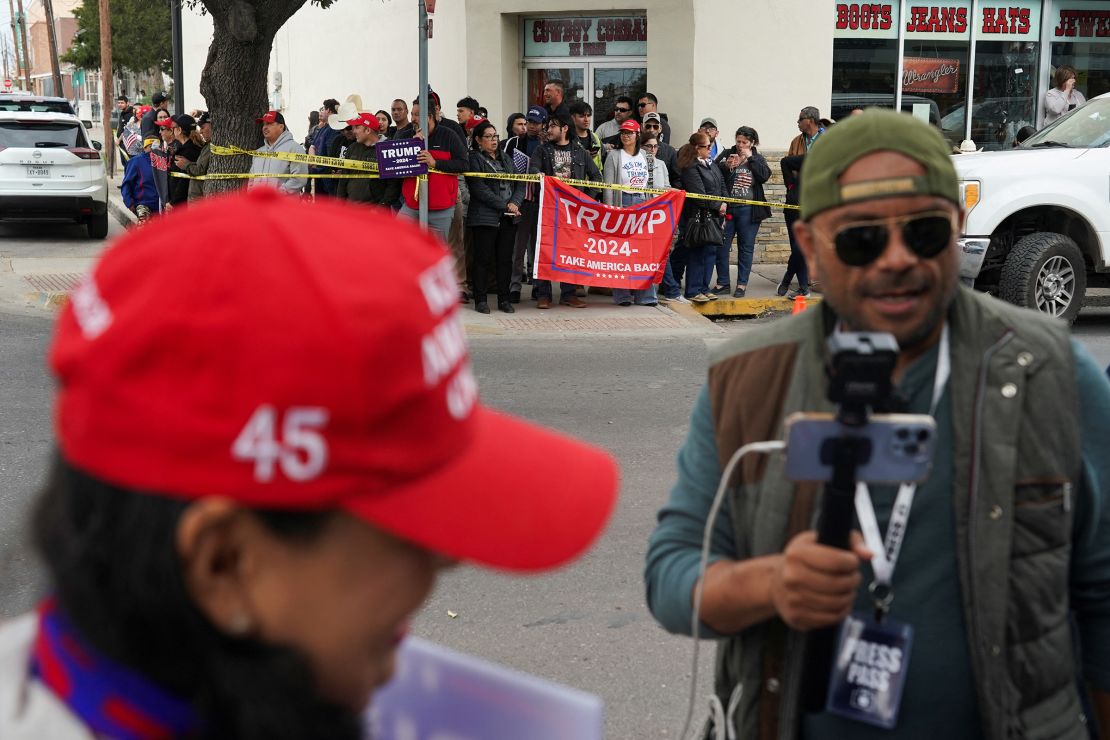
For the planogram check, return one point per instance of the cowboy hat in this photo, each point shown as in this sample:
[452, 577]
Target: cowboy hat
[350, 108]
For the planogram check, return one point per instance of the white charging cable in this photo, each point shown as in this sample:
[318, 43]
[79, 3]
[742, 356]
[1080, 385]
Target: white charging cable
[695, 620]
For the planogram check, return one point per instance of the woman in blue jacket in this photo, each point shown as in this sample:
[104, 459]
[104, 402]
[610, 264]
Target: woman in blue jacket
[139, 192]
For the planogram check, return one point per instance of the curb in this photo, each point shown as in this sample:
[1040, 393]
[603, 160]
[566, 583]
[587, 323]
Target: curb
[119, 210]
[748, 308]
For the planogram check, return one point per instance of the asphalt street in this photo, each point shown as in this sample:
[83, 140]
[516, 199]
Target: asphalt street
[586, 625]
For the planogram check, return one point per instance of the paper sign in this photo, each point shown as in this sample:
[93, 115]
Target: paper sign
[438, 694]
[398, 158]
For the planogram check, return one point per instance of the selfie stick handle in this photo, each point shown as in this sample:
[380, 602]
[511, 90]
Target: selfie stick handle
[834, 528]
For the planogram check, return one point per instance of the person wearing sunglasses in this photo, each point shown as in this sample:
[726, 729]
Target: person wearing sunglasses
[649, 103]
[1005, 553]
[609, 132]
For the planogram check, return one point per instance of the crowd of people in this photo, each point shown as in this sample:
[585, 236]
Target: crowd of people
[490, 225]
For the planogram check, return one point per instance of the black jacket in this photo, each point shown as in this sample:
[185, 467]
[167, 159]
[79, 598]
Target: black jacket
[705, 180]
[761, 173]
[488, 201]
[582, 165]
[791, 177]
[376, 191]
[179, 186]
[669, 155]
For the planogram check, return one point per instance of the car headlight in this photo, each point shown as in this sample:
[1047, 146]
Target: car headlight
[969, 193]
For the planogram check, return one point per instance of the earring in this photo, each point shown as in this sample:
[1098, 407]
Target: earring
[240, 624]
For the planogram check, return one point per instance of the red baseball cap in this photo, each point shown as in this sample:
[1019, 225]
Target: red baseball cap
[369, 120]
[472, 122]
[232, 352]
[630, 125]
[164, 123]
[271, 116]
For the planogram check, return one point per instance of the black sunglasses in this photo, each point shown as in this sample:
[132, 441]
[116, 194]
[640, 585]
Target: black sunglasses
[623, 110]
[642, 105]
[861, 242]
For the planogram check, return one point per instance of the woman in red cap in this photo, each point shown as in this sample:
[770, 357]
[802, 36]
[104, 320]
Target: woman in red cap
[258, 478]
[629, 166]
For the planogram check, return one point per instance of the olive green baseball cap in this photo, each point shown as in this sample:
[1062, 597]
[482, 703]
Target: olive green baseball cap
[875, 131]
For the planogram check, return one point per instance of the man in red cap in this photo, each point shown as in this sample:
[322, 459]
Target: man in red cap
[276, 138]
[376, 191]
[261, 468]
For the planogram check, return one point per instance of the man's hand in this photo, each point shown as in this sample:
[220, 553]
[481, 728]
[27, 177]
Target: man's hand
[723, 209]
[514, 209]
[426, 157]
[814, 585]
[180, 162]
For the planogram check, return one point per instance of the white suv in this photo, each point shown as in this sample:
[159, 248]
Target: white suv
[1038, 217]
[50, 169]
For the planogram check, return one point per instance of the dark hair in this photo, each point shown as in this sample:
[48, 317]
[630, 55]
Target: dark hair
[384, 113]
[749, 133]
[468, 102]
[123, 98]
[483, 112]
[1063, 73]
[559, 119]
[332, 104]
[477, 133]
[688, 154]
[625, 99]
[313, 119]
[1023, 133]
[580, 108]
[117, 578]
[557, 83]
[510, 121]
[651, 97]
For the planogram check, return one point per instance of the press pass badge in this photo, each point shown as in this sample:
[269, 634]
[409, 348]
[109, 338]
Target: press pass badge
[869, 672]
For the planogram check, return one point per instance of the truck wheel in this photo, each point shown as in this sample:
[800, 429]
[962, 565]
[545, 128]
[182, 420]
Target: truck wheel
[1045, 271]
[97, 226]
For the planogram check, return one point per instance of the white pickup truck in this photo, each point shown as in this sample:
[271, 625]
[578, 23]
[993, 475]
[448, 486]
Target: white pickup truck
[1038, 217]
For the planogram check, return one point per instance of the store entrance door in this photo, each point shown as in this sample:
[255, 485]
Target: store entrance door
[598, 83]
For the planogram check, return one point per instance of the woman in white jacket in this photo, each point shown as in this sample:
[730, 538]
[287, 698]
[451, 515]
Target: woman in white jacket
[634, 164]
[1063, 96]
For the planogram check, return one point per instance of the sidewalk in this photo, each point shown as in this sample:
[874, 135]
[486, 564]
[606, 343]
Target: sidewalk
[44, 282]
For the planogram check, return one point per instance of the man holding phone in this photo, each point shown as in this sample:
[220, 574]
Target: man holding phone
[1007, 542]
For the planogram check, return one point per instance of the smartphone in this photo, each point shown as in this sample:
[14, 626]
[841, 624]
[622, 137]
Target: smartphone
[901, 447]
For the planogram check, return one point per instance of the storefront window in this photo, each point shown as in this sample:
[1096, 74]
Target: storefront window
[1004, 87]
[934, 66]
[865, 57]
[1080, 35]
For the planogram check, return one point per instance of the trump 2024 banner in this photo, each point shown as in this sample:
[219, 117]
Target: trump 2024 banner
[584, 242]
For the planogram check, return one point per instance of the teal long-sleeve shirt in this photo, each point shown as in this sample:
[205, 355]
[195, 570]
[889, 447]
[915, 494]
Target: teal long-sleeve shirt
[927, 593]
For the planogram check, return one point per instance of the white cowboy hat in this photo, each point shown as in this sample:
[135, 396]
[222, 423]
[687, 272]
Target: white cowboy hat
[967, 146]
[350, 109]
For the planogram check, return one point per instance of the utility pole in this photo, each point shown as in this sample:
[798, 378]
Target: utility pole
[26, 49]
[178, 57]
[52, 35]
[425, 111]
[15, 37]
[106, 87]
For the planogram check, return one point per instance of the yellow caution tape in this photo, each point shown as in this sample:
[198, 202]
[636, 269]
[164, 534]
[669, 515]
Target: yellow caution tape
[313, 159]
[351, 164]
[285, 175]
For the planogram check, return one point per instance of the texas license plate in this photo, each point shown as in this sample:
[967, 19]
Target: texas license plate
[38, 172]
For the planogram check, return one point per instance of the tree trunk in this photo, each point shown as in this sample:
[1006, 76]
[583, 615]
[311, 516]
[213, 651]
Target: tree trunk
[233, 82]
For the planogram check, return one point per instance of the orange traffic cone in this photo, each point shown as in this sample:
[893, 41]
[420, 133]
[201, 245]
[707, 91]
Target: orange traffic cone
[799, 304]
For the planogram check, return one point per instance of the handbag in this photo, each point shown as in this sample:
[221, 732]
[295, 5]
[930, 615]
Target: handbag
[704, 228]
